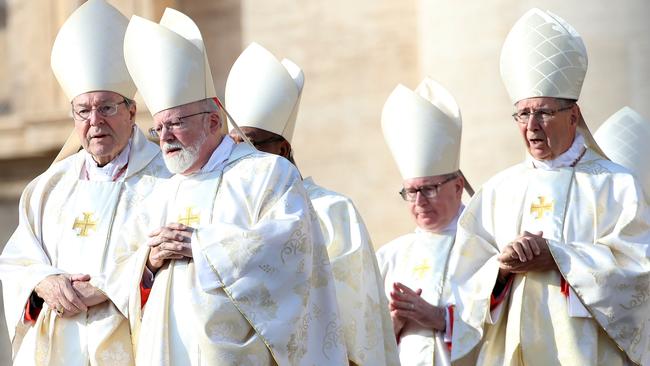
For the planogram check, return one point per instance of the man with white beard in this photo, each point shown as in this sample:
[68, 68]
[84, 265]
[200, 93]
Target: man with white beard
[241, 275]
[179, 158]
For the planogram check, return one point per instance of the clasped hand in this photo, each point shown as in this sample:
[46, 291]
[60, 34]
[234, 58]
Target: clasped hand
[173, 241]
[528, 252]
[69, 295]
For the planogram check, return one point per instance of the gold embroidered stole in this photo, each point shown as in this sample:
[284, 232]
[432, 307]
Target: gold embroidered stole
[531, 304]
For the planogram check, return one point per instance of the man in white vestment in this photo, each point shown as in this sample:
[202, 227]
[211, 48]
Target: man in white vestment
[63, 303]
[263, 96]
[241, 275]
[423, 129]
[550, 264]
[624, 138]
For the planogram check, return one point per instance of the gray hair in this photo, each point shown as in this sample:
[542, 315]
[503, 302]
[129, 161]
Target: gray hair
[565, 103]
[212, 105]
[451, 175]
[128, 101]
[562, 102]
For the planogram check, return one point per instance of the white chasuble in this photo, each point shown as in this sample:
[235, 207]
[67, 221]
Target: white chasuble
[596, 222]
[259, 289]
[418, 260]
[363, 306]
[73, 226]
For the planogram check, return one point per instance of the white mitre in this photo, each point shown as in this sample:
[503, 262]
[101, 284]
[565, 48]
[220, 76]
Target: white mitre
[422, 129]
[543, 56]
[87, 56]
[263, 92]
[168, 61]
[624, 138]
[87, 52]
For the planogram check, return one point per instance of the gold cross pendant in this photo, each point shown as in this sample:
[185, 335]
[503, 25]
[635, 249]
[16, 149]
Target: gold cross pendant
[84, 224]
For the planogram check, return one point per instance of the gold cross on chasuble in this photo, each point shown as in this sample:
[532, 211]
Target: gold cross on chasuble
[85, 224]
[420, 270]
[541, 208]
[189, 217]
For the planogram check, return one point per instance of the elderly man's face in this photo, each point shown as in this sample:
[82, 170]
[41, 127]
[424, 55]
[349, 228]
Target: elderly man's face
[434, 214]
[547, 140]
[188, 136]
[101, 136]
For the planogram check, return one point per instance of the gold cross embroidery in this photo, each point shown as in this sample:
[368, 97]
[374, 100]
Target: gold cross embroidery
[84, 225]
[541, 208]
[189, 218]
[420, 270]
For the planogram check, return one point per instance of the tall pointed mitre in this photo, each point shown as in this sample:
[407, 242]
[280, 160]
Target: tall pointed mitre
[263, 92]
[544, 56]
[168, 61]
[422, 129]
[624, 138]
[87, 56]
[87, 52]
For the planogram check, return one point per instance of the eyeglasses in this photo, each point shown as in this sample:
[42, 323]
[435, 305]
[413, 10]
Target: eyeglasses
[82, 113]
[175, 124]
[542, 115]
[429, 191]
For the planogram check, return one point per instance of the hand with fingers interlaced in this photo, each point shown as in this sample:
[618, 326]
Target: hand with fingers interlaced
[528, 252]
[89, 294]
[58, 292]
[173, 241]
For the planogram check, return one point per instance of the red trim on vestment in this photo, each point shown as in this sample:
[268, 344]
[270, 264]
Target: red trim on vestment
[450, 312]
[494, 302]
[564, 287]
[31, 312]
[144, 295]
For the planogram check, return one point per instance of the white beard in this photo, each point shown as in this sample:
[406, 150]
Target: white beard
[185, 157]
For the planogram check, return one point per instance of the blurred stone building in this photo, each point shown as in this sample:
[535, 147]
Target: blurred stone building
[353, 54]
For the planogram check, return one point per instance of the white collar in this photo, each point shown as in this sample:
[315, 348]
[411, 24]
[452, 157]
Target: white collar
[113, 171]
[219, 155]
[566, 159]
